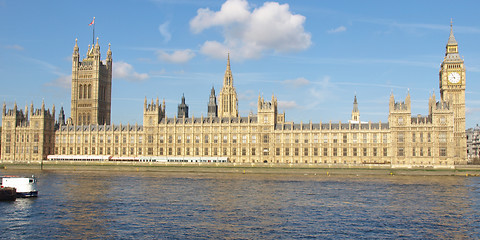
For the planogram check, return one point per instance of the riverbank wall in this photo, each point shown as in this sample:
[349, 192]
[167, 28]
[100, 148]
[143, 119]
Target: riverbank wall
[242, 168]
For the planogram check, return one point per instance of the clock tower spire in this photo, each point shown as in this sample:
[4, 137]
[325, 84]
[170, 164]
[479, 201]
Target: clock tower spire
[452, 90]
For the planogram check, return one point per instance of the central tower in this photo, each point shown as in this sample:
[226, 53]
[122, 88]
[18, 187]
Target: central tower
[228, 102]
[452, 90]
[91, 87]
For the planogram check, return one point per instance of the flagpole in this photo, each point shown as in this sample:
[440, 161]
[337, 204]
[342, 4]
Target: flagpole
[93, 38]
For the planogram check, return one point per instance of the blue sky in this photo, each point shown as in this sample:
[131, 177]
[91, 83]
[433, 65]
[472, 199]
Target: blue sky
[313, 55]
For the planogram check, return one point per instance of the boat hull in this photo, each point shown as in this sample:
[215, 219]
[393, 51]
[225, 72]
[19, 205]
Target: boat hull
[27, 194]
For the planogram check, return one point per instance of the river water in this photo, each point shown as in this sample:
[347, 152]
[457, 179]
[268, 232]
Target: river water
[153, 205]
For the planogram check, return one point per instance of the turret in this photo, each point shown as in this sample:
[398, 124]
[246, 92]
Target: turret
[212, 104]
[182, 109]
[355, 112]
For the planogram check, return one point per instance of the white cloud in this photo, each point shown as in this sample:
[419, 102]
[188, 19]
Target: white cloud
[247, 96]
[179, 56]
[299, 82]
[337, 30]
[15, 47]
[126, 71]
[287, 104]
[249, 33]
[163, 28]
[61, 82]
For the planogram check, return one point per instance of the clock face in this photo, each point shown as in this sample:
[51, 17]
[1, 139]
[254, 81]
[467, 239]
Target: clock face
[454, 77]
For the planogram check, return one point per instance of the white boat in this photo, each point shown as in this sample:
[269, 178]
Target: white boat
[25, 186]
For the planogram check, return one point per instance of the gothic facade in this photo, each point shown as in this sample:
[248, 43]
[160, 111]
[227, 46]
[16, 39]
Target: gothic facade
[434, 140]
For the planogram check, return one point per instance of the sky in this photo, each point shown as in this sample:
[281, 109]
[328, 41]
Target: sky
[314, 56]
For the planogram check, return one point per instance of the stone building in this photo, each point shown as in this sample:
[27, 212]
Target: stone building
[435, 140]
[473, 143]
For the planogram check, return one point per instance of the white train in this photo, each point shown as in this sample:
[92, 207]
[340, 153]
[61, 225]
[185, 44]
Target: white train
[137, 159]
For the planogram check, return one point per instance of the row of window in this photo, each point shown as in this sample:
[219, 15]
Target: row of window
[216, 139]
[22, 137]
[419, 152]
[224, 151]
[442, 137]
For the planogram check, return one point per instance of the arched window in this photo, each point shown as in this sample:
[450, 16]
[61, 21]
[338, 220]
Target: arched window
[80, 91]
[89, 91]
[88, 119]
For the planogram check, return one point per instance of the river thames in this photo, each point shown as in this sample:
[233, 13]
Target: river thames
[155, 205]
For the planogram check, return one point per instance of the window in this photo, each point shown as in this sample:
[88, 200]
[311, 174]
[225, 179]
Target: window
[354, 151]
[215, 139]
[225, 139]
[244, 138]
[413, 137]
[442, 137]
[335, 140]
[413, 152]
[187, 151]
[254, 139]
[335, 152]
[325, 151]
[443, 152]
[385, 152]
[364, 152]
[179, 139]
[315, 152]
[206, 141]
[234, 139]
[305, 152]
[287, 151]
[401, 138]
[374, 138]
[345, 152]
[365, 138]
[277, 151]
[400, 152]
[205, 151]
[265, 138]
[179, 151]
[344, 138]
[150, 139]
[234, 151]
[188, 139]
[253, 151]
[296, 151]
[265, 151]
[374, 152]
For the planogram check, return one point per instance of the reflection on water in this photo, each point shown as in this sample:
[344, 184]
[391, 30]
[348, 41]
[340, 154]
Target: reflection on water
[235, 206]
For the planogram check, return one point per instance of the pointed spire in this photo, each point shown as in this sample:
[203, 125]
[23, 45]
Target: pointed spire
[75, 48]
[355, 104]
[145, 103]
[109, 53]
[451, 38]
[228, 78]
[4, 111]
[228, 60]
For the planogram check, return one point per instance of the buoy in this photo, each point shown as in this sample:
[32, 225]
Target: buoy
[243, 171]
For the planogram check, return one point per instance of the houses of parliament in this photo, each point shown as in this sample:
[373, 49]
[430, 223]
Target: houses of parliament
[434, 140]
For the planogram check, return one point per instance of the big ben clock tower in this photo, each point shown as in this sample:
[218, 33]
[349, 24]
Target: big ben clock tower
[452, 90]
